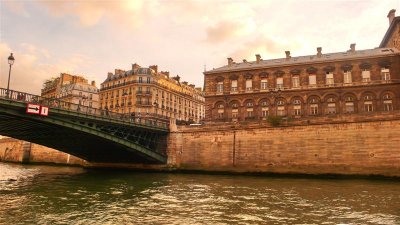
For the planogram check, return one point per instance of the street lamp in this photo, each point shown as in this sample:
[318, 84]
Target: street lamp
[11, 62]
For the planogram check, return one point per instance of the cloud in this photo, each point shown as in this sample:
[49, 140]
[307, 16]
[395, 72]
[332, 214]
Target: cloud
[29, 70]
[91, 12]
[265, 46]
[17, 7]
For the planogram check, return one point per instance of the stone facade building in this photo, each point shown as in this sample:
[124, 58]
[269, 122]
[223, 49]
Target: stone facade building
[145, 93]
[325, 84]
[72, 89]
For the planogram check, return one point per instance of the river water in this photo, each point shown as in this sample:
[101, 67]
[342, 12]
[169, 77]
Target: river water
[71, 195]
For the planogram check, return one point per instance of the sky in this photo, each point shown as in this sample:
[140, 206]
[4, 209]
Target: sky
[92, 38]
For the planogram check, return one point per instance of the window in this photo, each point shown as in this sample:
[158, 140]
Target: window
[387, 103]
[140, 80]
[347, 78]
[220, 115]
[234, 85]
[331, 108]
[349, 107]
[249, 104]
[264, 84]
[385, 74]
[264, 112]
[220, 87]
[279, 82]
[366, 75]
[312, 80]
[280, 111]
[221, 106]
[329, 79]
[314, 109]
[234, 105]
[297, 107]
[234, 113]
[264, 103]
[249, 85]
[295, 82]
[148, 80]
[368, 106]
[249, 114]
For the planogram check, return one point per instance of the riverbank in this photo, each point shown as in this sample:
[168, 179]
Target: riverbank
[367, 149]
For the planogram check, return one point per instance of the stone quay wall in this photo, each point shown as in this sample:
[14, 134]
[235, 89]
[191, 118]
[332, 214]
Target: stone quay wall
[345, 148]
[348, 148]
[13, 150]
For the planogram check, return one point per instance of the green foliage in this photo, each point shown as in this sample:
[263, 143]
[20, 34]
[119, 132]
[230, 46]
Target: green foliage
[274, 121]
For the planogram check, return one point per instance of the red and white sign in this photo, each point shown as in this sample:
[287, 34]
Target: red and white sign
[44, 110]
[32, 108]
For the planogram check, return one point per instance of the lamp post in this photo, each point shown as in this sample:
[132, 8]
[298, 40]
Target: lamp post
[11, 62]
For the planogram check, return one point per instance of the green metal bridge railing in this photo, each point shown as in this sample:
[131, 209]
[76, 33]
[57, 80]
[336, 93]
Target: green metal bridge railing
[147, 120]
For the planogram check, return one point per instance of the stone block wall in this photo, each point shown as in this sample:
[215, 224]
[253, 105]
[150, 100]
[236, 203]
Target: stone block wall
[362, 148]
[12, 150]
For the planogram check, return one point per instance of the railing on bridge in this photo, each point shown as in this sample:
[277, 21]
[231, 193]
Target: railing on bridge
[146, 120]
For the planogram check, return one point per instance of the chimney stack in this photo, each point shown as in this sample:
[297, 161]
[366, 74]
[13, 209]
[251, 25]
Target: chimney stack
[154, 67]
[135, 66]
[244, 60]
[391, 15]
[109, 75]
[353, 48]
[319, 52]
[287, 55]
[93, 83]
[230, 61]
[258, 58]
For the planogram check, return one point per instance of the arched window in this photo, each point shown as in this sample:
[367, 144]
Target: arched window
[387, 102]
[331, 107]
[280, 111]
[296, 107]
[264, 108]
[368, 105]
[349, 104]
[314, 106]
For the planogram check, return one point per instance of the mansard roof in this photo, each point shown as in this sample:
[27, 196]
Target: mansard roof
[310, 59]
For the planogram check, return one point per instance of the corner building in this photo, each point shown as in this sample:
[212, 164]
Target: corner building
[146, 94]
[358, 82]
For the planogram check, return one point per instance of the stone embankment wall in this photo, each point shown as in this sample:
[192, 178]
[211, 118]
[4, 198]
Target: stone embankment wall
[360, 148]
[12, 150]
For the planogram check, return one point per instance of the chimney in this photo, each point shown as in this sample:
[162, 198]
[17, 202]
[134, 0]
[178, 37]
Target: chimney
[109, 75]
[230, 61]
[319, 52]
[391, 15]
[93, 83]
[154, 67]
[353, 48]
[244, 60]
[258, 58]
[166, 73]
[287, 55]
[135, 66]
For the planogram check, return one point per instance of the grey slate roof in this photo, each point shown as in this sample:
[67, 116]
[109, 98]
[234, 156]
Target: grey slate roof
[338, 56]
